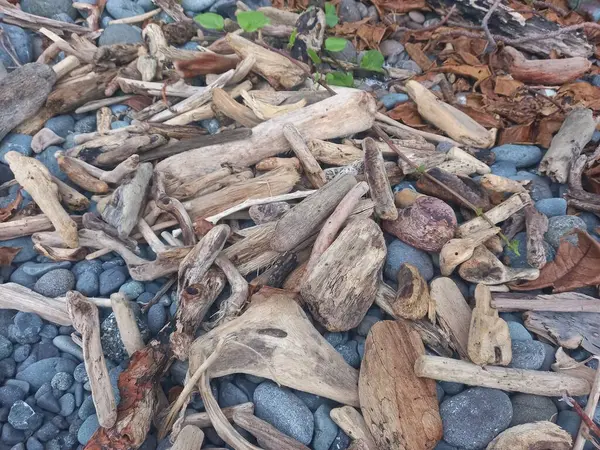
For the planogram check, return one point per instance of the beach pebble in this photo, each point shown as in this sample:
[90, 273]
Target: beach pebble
[48, 158]
[15, 142]
[87, 429]
[559, 226]
[504, 168]
[416, 16]
[120, 33]
[365, 325]
[88, 284]
[552, 206]
[349, 352]
[451, 388]
[67, 404]
[569, 421]
[61, 125]
[23, 417]
[22, 42]
[111, 280]
[390, 47]
[341, 441]
[33, 444]
[132, 289]
[520, 155]
[27, 327]
[157, 318]
[349, 12]
[20, 277]
[120, 9]
[518, 332]
[11, 435]
[230, 394]
[48, 8]
[528, 408]
[62, 381]
[49, 403]
[6, 347]
[325, 429]
[21, 352]
[82, 267]
[43, 371]
[10, 394]
[66, 344]
[391, 100]
[400, 253]
[39, 269]
[520, 260]
[55, 283]
[474, 417]
[284, 410]
[528, 355]
[197, 5]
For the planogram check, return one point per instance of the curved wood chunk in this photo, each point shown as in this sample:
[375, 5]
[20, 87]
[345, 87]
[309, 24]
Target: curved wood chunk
[400, 409]
[532, 436]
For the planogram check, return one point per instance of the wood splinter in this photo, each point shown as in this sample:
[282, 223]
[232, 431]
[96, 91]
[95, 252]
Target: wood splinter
[379, 184]
[311, 167]
[128, 328]
[84, 315]
[353, 424]
[268, 437]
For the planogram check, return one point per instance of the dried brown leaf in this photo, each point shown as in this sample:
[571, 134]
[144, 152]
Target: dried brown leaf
[469, 58]
[479, 72]
[416, 53]
[581, 92]
[7, 254]
[480, 116]
[518, 134]
[371, 35]
[408, 114]
[547, 127]
[575, 266]
[399, 6]
[8, 210]
[507, 86]
[138, 102]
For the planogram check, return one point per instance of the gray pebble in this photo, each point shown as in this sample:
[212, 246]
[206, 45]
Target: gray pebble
[49, 331]
[197, 5]
[66, 344]
[111, 280]
[349, 12]
[46, 432]
[120, 34]
[552, 206]
[416, 16]
[55, 283]
[67, 404]
[62, 381]
[132, 289]
[39, 269]
[6, 347]
[88, 284]
[559, 226]
[81, 267]
[20, 277]
[120, 9]
[11, 435]
[49, 403]
[61, 125]
[341, 441]
[365, 325]
[520, 155]
[230, 395]
[87, 429]
[390, 47]
[24, 243]
[350, 354]
[549, 358]
[10, 394]
[518, 332]
[42, 372]
[569, 421]
[439, 392]
[27, 328]
[87, 408]
[80, 374]
[311, 400]
[23, 417]
[23, 385]
[400, 253]
[285, 411]
[336, 338]
[78, 394]
[48, 8]
[157, 318]
[504, 168]
[21, 352]
[452, 388]
[529, 408]
[22, 43]
[325, 429]
[444, 446]
[527, 355]
[34, 444]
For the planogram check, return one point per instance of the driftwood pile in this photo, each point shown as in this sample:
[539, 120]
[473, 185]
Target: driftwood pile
[313, 168]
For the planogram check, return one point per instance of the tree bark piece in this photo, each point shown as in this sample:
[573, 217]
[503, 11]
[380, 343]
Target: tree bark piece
[128, 329]
[456, 251]
[531, 436]
[340, 115]
[37, 181]
[189, 438]
[575, 132]
[86, 321]
[293, 353]
[453, 313]
[354, 425]
[268, 437]
[563, 302]
[379, 185]
[302, 220]
[484, 267]
[454, 122]
[512, 380]
[22, 93]
[342, 286]
[127, 202]
[497, 214]
[311, 167]
[489, 338]
[400, 409]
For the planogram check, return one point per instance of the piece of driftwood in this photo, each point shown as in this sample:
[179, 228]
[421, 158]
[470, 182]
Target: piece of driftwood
[342, 286]
[543, 71]
[353, 424]
[44, 139]
[531, 436]
[35, 178]
[292, 352]
[125, 317]
[22, 93]
[340, 115]
[15, 296]
[310, 166]
[225, 104]
[128, 200]
[277, 273]
[254, 251]
[484, 267]
[489, 338]
[567, 365]
[387, 380]
[412, 299]
[115, 175]
[201, 420]
[266, 111]
[537, 225]
[268, 212]
[274, 162]
[268, 437]
[535, 382]
[302, 220]
[334, 154]
[189, 438]
[453, 313]
[497, 184]
[567, 329]
[458, 154]
[575, 132]
[379, 185]
[454, 122]
[86, 321]
[590, 409]
[69, 196]
[497, 214]
[562, 302]
[456, 251]
[468, 188]
[78, 175]
[232, 306]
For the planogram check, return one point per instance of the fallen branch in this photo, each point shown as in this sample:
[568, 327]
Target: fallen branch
[268, 437]
[379, 185]
[563, 302]
[128, 329]
[311, 167]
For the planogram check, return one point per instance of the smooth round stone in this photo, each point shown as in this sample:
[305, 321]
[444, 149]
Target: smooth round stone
[22, 43]
[132, 289]
[48, 8]
[120, 9]
[20, 277]
[284, 410]
[520, 260]
[349, 12]
[88, 284]
[341, 442]
[400, 253]
[559, 226]
[10, 435]
[61, 125]
[80, 374]
[43, 371]
[444, 446]
[391, 100]
[81, 267]
[390, 47]
[569, 421]
[21, 352]
[25, 244]
[14, 142]
[362, 9]
[49, 331]
[5, 172]
[87, 408]
[120, 34]
[23, 417]
[48, 158]
[87, 429]
[549, 357]
[111, 280]
[119, 124]
[336, 338]
[6, 347]
[212, 125]
[591, 220]
[67, 404]
[529, 408]
[49, 403]
[365, 325]
[348, 54]
[55, 283]
[474, 417]
[197, 5]
[518, 332]
[528, 355]
[47, 431]
[86, 125]
[10, 394]
[552, 206]
[27, 328]
[157, 318]
[62, 381]
[325, 429]
[349, 352]
[439, 393]
[520, 155]
[34, 444]
[452, 388]
[66, 344]
[230, 395]
[416, 16]
[40, 269]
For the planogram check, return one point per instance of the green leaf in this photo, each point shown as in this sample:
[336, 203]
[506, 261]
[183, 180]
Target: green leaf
[344, 79]
[335, 44]
[372, 60]
[479, 212]
[210, 21]
[331, 17]
[421, 168]
[313, 56]
[293, 38]
[252, 21]
[514, 247]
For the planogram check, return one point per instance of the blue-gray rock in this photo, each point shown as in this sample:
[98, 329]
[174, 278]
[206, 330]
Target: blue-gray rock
[46, 432]
[48, 8]
[539, 187]
[132, 289]
[87, 408]
[48, 158]
[520, 155]
[350, 354]
[157, 318]
[365, 325]
[245, 385]
[14, 142]
[390, 47]
[452, 388]
[504, 168]
[44, 389]
[527, 355]
[552, 206]
[520, 260]
[591, 220]
[62, 381]
[25, 244]
[55, 283]
[120, 9]
[111, 280]
[66, 344]
[24, 386]
[569, 421]
[79, 374]
[8, 368]
[392, 100]
[61, 125]
[43, 371]
[86, 125]
[349, 12]
[341, 441]
[39, 269]
[22, 43]
[311, 400]
[87, 429]
[27, 327]
[528, 408]
[399, 253]
[34, 444]
[348, 54]
[336, 338]
[113, 263]
[474, 417]
[360, 347]
[10, 394]
[20, 277]
[23, 417]
[88, 284]
[518, 332]
[21, 352]
[11, 435]
[67, 404]
[49, 331]
[111, 338]
[442, 445]
[325, 429]
[6, 347]
[48, 402]
[145, 298]
[197, 5]
[284, 410]
[5, 172]
[230, 395]
[44, 350]
[439, 392]
[549, 357]
[82, 267]
[559, 226]
[179, 371]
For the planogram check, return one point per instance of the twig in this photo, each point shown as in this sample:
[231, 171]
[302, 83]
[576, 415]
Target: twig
[590, 408]
[9, 48]
[585, 419]
[545, 97]
[162, 291]
[548, 5]
[138, 18]
[543, 36]
[484, 25]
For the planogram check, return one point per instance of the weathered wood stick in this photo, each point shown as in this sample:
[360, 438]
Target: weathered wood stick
[151, 238]
[497, 214]
[78, 175]
[232, 306]
[22, 93]
[543, 434]
[563, 302]
[225, 104]
[575, 132]
[590, 409]
[201, 420]
[84, 315]
[128, 329]
[20, 298]
[512, 380]
[65, 66]
[19, 17]
[537, 225]
[70, 197]
[311, 167]
[37, 181]
[379, 184]
[395, 128]
[190, 437]
[103, 119]
[457, 251]
[267, 436]
[484, 267]
[458, 154]
[334, 154]
[354, 425]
